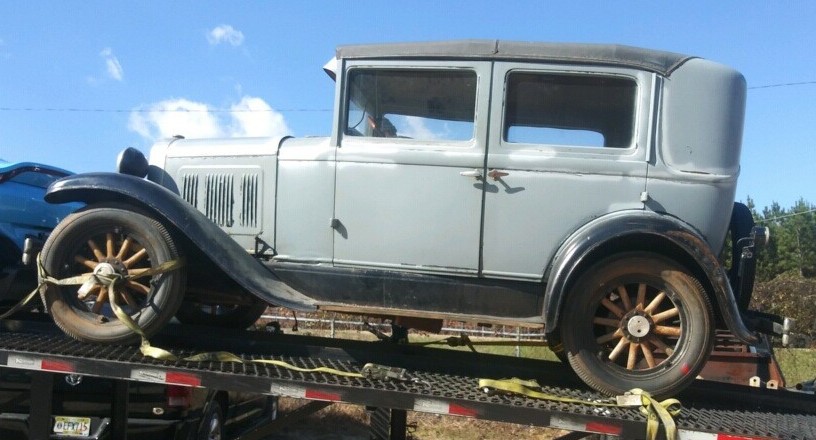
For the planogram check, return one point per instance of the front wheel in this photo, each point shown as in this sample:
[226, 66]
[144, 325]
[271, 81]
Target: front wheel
[111, 240]
[637, 321]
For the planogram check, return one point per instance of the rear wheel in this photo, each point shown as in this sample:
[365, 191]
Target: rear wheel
[111, 240]
[637, 321]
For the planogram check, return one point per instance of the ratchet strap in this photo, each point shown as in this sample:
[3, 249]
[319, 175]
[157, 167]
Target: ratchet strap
[656, 412]
[27, 299]
[465, 341]
[110, 281]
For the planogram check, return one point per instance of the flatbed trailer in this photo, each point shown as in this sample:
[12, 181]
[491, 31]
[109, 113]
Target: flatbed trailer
[438, 381]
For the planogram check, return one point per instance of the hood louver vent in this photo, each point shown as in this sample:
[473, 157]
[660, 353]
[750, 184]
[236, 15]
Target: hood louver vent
[230, 198]
[249, 192]
[189, 189]
[219, 199]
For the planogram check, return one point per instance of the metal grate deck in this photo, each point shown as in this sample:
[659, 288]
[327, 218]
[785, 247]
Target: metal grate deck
[444, 383]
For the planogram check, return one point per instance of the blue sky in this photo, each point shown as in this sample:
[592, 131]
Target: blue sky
[79, 81]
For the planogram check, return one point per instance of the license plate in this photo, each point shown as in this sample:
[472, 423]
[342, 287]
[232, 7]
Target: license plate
[72, 425]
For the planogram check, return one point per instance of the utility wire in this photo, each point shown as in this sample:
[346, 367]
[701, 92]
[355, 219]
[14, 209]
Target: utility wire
[769, 86]
[773, 219]
[142, 110]
[225, 110]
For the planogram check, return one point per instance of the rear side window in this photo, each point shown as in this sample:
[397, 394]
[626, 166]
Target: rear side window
[417, 104]
[569, 109]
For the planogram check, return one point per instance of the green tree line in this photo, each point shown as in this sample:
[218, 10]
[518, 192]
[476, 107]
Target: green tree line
[786, 268]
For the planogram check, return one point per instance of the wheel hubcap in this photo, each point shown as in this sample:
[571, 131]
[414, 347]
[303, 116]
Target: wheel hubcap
[109, 254]
[637, 327]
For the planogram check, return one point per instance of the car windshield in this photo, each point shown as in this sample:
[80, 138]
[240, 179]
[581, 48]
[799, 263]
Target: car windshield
[35, 178]
[32, 175]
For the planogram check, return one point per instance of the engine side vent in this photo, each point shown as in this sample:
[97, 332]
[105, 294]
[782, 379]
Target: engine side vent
[189, 189]
[231, 196]
[249, 193]
[219, 199]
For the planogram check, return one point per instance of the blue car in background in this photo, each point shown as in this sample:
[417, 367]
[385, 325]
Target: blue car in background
[25, 222]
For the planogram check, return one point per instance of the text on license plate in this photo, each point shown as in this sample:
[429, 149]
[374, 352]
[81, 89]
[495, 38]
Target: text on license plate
[72, 425]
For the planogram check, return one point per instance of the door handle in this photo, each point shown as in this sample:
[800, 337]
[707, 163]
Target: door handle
[474, 173]
[496, 174]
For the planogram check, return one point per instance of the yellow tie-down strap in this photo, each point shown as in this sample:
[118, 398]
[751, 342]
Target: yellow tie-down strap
[465, 341]
[112, 280]
[656, 412]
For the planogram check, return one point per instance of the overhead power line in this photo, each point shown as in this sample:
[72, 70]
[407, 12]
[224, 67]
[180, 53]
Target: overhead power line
[141, 110]
[773, 219]
[227, 110]
[770, 86]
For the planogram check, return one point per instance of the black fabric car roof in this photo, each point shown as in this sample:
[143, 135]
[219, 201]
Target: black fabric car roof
[597, 54]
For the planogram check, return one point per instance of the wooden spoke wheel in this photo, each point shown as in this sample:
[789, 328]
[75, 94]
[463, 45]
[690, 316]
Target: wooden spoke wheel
[110, 241]
[637, 321]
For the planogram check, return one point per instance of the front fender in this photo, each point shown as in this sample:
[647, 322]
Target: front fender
[625, 227]
[203, 233]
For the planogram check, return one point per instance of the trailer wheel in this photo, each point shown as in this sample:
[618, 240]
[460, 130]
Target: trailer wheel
[637, 321]
[108, 239]
[238, 316]
[212, 422]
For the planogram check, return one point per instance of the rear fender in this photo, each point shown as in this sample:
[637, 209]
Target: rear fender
[604, 237]
[169, 208]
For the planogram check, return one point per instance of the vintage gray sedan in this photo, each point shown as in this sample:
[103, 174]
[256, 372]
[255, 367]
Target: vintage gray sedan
[586, 189]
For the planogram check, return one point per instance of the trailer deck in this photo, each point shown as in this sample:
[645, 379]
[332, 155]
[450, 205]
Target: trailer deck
[439, 381]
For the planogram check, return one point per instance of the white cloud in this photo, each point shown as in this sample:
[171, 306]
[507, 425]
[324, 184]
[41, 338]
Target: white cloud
[114, 69]
[250, 117]
[254, 117]
[415, 128]
[225, 34]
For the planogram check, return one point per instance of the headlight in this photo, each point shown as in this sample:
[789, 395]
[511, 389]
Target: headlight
[762, 235]
[131, 161]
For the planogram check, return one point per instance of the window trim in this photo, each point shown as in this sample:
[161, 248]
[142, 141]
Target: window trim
[480, 69]
[643, 97]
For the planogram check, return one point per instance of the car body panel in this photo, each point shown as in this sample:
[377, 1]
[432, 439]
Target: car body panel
[23, 212]
[305, 201]
[213, 241]
[435, 175]
[553, 188]
[26, 219]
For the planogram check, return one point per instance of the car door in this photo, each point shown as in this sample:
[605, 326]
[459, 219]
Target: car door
[411, 150]
[566, 145]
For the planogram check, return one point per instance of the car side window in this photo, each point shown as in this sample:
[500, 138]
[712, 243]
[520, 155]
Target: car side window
[569, 109]
[420, 104]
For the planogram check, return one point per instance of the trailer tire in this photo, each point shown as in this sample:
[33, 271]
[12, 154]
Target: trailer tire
[115, 239]
[212, 422]
[657, 340]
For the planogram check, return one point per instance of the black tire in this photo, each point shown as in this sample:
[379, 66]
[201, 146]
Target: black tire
[238, 316]
[556, 346]
[663, 335]
[212, 422]
[125, 241]
[742, 223]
